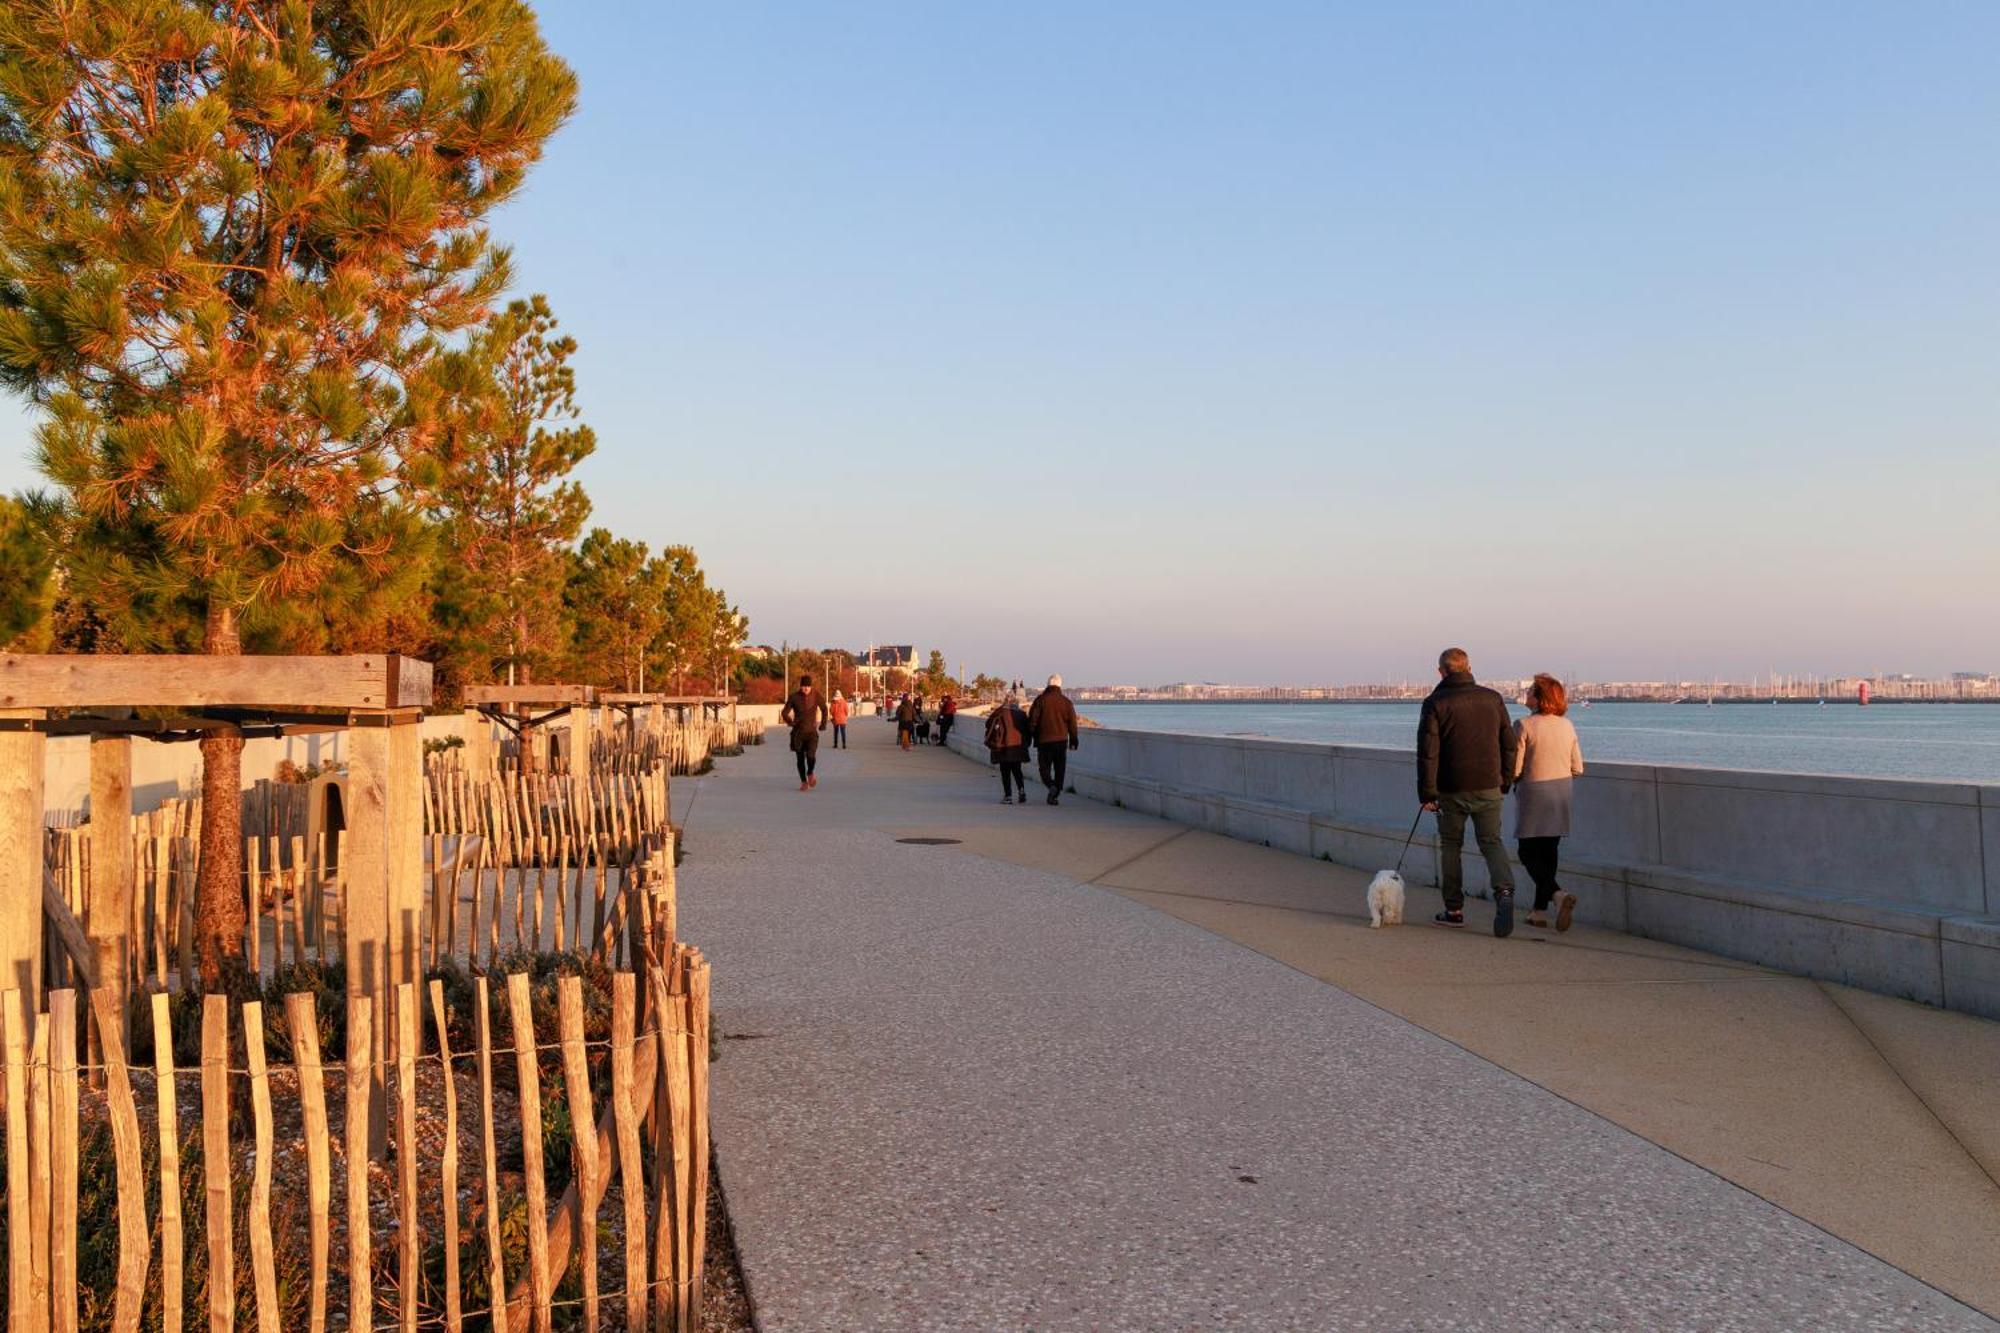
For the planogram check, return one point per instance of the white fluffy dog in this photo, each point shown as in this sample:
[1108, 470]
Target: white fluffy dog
[1385, 899]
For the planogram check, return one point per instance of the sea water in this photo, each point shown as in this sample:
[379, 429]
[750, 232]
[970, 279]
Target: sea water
[1935, 742]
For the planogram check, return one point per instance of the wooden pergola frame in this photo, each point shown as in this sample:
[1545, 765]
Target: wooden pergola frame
[378, 699]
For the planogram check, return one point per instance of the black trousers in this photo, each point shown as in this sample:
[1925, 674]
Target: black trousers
[1012, 779]
[1539, 857]
[944, 729]
[1052, 761]
[808, 757]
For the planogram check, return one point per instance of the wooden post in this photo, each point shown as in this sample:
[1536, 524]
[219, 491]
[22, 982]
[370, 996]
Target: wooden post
[62, 1160]
[383, 862]
[215, 1162]
[168, 1122]
[20, 1223]
[108, 910]
[21, 762]
[478, 750]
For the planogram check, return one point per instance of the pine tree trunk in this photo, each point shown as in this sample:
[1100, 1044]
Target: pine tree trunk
[219, 895]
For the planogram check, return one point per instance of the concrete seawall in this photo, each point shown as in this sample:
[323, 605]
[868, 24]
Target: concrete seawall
[1889, 885]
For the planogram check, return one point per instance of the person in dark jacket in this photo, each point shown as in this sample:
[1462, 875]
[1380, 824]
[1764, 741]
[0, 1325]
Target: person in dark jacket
[1007, 742]
[1465, 766]
[906, 721]
[806, 713]
[947, 714]
[1053, 728]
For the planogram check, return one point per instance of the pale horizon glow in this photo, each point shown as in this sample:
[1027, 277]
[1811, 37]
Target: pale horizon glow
[1290, 342]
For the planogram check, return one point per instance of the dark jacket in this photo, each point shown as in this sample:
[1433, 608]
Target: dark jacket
[806, 712]
[1007, 735]
[1052, 719]
[907, 714]
[1465, 740]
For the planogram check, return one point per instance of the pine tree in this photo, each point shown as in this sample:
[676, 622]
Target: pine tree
[615, 603]
[231, 235]
[27, 583]
[507, 515]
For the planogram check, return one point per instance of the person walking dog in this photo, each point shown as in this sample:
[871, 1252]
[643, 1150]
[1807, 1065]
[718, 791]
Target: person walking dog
[1465, 767]
[906, 721]
[837, 711]
[1547, 762]
[806, 712]
[1053, 727]
[1007, 743]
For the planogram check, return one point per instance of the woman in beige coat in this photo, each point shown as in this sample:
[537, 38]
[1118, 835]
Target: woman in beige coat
[1547, 760]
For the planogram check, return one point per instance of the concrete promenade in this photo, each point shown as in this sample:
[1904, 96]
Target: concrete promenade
[1084, 1069]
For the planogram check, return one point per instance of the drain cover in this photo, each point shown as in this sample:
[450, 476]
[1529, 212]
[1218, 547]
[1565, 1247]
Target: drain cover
[931, 842]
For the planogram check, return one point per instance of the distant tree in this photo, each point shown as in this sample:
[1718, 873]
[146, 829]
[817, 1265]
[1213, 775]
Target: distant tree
[506, 442]
[616, 607]
[934, 676]
[229, 237]
[27, 579]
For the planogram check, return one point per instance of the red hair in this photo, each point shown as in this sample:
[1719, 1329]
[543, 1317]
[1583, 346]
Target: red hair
[1547, 695]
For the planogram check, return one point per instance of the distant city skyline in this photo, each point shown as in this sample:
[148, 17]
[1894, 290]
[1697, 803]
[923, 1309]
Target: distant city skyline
[1293, 341]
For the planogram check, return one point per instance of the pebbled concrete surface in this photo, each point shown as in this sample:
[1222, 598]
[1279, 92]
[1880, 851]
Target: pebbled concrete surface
[960, 1093]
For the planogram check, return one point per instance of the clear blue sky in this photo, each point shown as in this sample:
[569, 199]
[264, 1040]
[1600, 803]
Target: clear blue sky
[1293, 340]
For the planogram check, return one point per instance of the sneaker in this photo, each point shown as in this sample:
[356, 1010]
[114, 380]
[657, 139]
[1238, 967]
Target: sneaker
[813, 781]
[1456, 920]
[1006, 800]
[1565, 909]
[1503, 915]
[1053, 800]
[804, 786]
[1022, 799]
[1537, 920]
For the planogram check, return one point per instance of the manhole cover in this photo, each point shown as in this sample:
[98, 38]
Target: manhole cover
[930, 842]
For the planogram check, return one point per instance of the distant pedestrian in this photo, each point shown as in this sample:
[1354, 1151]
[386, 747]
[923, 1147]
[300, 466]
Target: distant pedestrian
[1465, 767]
[1547, 762]
[947, 715]
[906, 721]
[1052, 726]
[806, 712]
[1007, 742]
[837, 710]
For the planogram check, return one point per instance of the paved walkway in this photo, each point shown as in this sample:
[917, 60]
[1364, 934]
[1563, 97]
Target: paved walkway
[1085, 1070]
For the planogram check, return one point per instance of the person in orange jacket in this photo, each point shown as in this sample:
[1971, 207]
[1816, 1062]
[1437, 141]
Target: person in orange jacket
[837, 711]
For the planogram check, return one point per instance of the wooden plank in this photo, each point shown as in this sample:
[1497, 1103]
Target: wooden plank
[354, 1137]
[253, 918]
[496, 1274]
[134, 1250]
[41, 1175]
[62, 1160]
[631, 1168]
[108, 915]
[698, 1137]
[551, 696]
[172, 1282]
[215, 1162]
[454, 1320]
[23, 756]
[528, 1071]
[20, 1227]
[263, 1250]
[192, 680]
[302, 1015]
[583, 1133]
[409, 1272]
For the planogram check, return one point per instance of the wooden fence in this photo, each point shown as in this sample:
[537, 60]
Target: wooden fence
[428, 1241]
[511, 861]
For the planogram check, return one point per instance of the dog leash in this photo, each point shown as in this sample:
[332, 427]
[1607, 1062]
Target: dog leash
[1407, 841]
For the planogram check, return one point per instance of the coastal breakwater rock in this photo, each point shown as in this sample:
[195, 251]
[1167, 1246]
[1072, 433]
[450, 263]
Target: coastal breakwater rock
[1893, 886]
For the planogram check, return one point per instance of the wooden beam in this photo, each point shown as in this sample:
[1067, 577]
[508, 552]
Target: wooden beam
[192, 680]
[21, 766]
[113, 877]
[533, 695]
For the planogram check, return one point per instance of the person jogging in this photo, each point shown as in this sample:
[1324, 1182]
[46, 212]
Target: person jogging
[1465, 767]
[806, 712]
[1052, 726]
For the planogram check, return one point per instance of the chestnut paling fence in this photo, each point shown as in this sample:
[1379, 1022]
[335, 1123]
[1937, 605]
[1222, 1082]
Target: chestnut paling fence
[426, 1236]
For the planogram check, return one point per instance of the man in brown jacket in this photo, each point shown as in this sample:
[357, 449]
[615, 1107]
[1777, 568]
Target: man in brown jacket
[806, 713]
[1052, 724]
